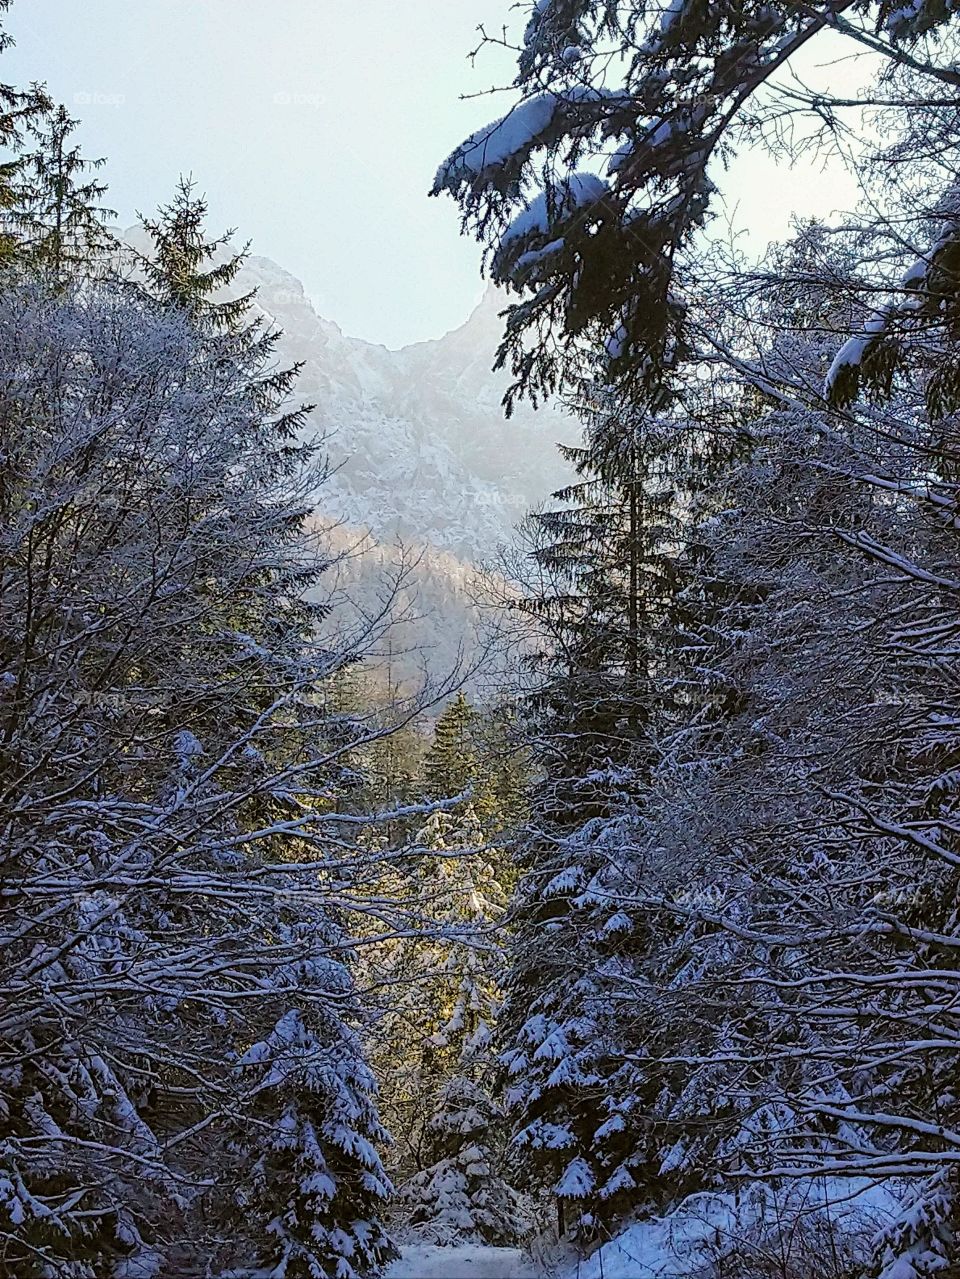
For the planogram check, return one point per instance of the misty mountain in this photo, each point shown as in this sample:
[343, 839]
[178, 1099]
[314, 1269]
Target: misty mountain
[418, 436]
[421, 454]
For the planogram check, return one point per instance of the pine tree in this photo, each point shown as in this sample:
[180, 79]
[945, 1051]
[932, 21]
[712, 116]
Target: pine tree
[597, 703]
[314, 1177]
[441, 981]
[803, 942]
[451, 765]
[590, 194]
[462, 1194]
[785, 838]
[54, 211]
[18, 109]
[432, 1042]
[747, 562]
[922, 1243]
[182, 269]
[473, 753]
[436, 1042]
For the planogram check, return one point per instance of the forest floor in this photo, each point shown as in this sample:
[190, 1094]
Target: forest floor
[465, 1261]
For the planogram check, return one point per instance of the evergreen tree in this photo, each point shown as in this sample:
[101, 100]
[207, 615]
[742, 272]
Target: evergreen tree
[451, 765]
[18, 109]
[598, 700]
[392, 765]
[474, 753]
[441, 982]
[922, 1243]
[778, 851]
[54, 210]
[461, 1194]
[314, 1177]
[182, 269]
[437, 1038]
[804, 936]
[741, 580]
[590, 194]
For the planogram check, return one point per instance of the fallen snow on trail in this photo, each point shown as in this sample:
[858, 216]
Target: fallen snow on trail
[465, 1261]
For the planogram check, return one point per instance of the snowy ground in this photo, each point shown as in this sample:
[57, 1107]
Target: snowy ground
[693, 1239]
[467, 1261]
[796, 1219]
[789, 1222]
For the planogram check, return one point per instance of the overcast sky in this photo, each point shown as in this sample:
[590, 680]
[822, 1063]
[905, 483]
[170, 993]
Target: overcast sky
[315, 127]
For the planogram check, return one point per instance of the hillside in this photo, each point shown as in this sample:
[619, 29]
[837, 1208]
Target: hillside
[418, 436]
[422, 457]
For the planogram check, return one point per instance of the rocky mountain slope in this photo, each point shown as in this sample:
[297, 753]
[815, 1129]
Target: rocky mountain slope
[417, 436]
[422, 457]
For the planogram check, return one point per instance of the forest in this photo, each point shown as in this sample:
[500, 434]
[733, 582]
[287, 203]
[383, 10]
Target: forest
[627, 948]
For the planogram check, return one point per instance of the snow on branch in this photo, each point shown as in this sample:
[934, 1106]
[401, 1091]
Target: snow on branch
[532, 237]
[495, 155]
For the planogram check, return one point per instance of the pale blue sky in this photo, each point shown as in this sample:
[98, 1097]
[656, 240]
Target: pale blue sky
[315, 128]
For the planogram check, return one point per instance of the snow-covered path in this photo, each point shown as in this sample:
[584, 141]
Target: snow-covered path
[468, 1261]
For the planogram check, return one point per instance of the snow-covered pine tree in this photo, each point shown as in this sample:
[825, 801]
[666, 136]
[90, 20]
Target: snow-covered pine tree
[440, 983]
[314, 1178]
[438, 979]
[725, 806]
[922, 1242]
[459, 1191]
[837, 798]
[597, 701]
[462, 1193]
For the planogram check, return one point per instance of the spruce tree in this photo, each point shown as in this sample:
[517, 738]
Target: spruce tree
[802, 1013]
[308, 1167]
[183, 269]
[440, 982]
[474, 753]
[18, 109]
[54, 208]
[598, 700]
[435, 1042]
[451, 765]
[440, 978]
[462, 1192]
[590, 193]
